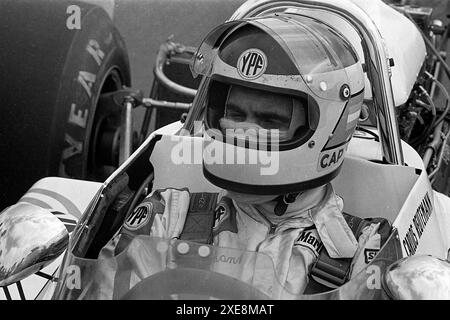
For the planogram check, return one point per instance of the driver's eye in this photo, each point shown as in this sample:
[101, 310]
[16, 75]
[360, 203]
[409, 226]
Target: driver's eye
[272, 123]
[236, 115]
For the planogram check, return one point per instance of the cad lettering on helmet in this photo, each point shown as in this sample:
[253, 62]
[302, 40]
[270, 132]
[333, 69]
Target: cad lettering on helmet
[252, 63]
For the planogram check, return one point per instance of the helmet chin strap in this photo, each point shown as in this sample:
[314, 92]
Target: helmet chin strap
[283, 202]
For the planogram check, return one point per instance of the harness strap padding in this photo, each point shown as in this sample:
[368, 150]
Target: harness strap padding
[200, 217]
[328, 273]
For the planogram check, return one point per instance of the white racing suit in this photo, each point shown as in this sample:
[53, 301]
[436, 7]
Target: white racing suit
[292, 241]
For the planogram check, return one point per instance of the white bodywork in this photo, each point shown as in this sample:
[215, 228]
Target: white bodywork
[69, 198]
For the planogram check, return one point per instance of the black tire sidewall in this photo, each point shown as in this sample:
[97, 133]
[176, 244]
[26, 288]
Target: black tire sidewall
[76, 103]
[40, 61]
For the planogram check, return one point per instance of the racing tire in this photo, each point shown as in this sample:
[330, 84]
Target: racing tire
[58, 57]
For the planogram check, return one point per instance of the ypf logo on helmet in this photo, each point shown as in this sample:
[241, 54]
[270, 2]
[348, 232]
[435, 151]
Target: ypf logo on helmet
[139, 217]
[252, 63]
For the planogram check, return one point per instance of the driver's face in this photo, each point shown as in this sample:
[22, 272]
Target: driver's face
[268, 110]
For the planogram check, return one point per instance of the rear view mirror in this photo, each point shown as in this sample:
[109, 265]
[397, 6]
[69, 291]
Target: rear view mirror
[417, 277]
[30, 238]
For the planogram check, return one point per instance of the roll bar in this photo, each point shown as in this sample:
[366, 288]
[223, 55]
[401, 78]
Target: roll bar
[377, 61]
[167, 49]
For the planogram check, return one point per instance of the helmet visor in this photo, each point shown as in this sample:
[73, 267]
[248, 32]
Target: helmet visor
[289, 51]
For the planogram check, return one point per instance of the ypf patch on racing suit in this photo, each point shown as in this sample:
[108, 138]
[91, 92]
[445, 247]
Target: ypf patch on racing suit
[140, 220]
[139, 217]
[309, 238]
[225, 217]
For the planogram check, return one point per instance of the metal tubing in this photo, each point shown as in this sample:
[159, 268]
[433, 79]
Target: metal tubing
[152, 103]
[436, 134]
[164, 51]
[126, 132]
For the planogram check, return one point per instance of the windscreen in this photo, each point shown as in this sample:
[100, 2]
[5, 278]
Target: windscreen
[156, 268]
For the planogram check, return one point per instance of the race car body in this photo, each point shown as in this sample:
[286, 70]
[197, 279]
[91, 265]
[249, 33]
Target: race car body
[386, 174]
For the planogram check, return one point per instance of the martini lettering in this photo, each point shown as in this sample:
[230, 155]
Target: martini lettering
[310, 240]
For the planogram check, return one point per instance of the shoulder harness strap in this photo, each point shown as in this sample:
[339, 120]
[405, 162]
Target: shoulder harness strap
[200, 218]
[329, 273]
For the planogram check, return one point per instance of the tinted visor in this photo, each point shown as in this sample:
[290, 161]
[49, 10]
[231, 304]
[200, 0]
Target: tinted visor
[293, 46]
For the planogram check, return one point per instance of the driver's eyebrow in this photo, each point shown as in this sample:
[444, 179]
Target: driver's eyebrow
[272, 115]
[231, 105]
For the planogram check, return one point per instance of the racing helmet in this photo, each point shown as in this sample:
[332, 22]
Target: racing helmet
[282, 97]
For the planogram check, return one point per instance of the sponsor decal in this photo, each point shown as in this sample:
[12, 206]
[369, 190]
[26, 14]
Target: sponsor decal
[202, 201]
[221, 213]
[87, 80]
[369, 254]
[75, 147]
[78, 116]
[224, 217]
[93, 48]
[79, 113]
[309, 238]
[228, 259]
[139, 217]
[415, 230]
[330, 158]
[252, 63]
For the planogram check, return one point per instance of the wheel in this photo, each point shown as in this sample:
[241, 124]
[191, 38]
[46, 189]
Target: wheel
[52, 75]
